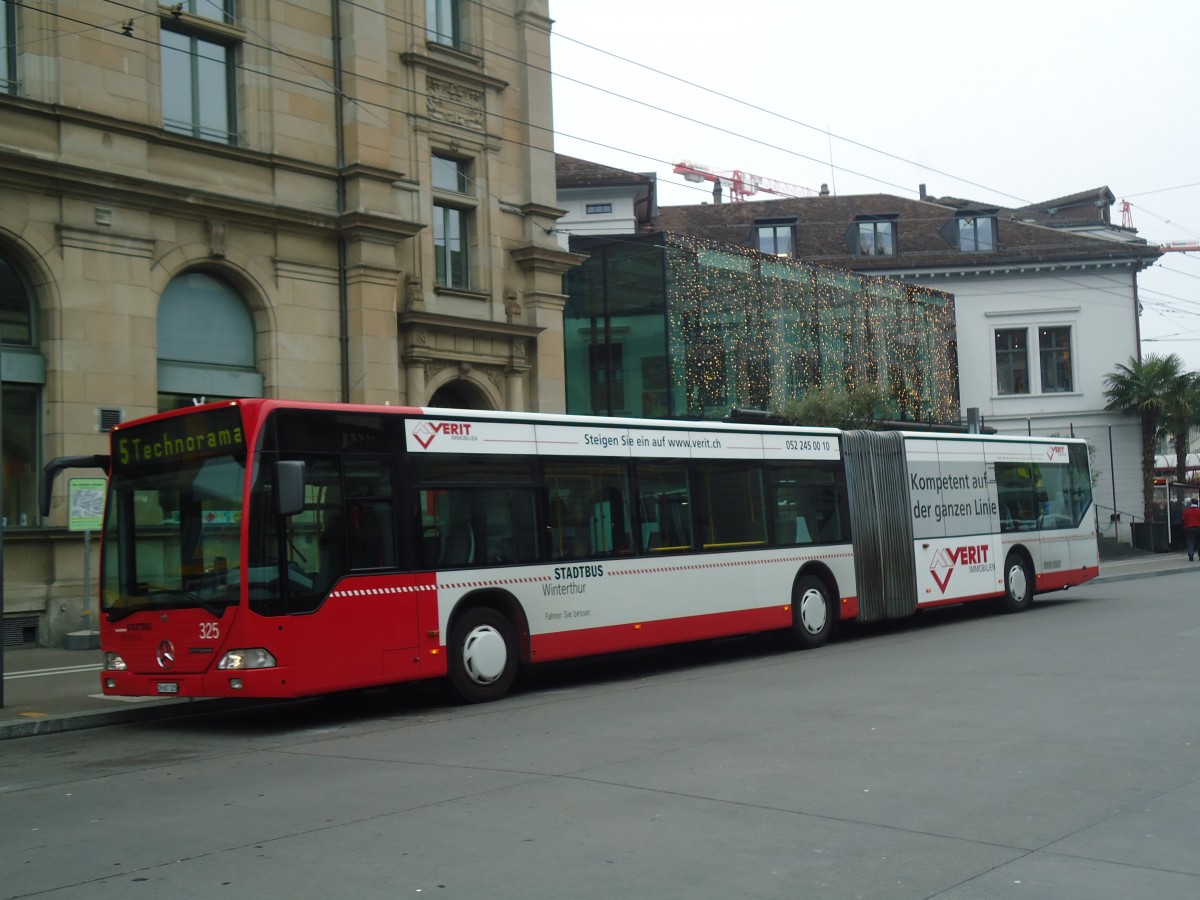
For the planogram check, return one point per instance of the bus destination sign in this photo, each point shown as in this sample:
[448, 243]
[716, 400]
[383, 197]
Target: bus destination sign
[212, 433]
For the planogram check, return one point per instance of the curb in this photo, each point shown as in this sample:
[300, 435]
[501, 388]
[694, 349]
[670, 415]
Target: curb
[1130, 576]
[78, 721]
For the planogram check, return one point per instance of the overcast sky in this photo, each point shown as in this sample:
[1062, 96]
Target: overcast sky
[1008, 104]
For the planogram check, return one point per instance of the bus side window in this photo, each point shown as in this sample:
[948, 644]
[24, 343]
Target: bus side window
[458, 549]
[810, 505]
[732, 509]
[449, 518]
[369, 529]
[587, 513]
[368, 512]
[1006, 519]
[565, 524]
[666, 509]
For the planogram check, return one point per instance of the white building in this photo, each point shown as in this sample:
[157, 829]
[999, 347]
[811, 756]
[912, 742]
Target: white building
[1044, 308]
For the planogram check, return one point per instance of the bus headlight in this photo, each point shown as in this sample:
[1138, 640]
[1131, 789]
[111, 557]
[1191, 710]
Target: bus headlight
[114, 663]
[253, 658]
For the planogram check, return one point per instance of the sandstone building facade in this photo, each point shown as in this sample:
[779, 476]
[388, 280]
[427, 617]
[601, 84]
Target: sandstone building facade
[286, 198]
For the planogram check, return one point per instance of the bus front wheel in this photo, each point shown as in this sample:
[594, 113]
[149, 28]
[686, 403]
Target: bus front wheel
[1018, 583]
[483, 655]
[812, 612]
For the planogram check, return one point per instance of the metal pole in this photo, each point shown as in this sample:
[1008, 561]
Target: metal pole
[1112, 474]
[87, 582]
[1, 525]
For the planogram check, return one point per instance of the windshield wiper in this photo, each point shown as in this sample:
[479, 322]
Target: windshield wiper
[217, 610]
[207, 605]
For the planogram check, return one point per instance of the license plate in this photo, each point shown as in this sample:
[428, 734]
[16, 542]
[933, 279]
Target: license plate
[168, 687]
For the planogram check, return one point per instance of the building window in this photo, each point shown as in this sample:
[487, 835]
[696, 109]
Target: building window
[875, 237]
[450, 240]
[1054, 354]
[452, 222]
[8, 47]
[198, 85]
[206, 341]
[16, 320]
[20, 405]
[975, 233]
[218, 10]
[1012, 361]
[775, 237]
[595, 209]
[451, 174]
[443, 22]
[20, 473]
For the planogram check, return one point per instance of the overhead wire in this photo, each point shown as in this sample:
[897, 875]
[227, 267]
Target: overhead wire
[483, 49]
[327, 87]
[773, 113]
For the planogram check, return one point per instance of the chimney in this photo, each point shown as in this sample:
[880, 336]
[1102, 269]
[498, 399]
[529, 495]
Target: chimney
[824, 190]
[921, 189]
[717, 192]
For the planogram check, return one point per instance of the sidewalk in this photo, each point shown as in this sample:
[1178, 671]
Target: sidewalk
[49, 690]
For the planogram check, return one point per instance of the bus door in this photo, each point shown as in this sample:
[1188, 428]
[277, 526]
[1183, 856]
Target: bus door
[342, 598]
[877, 486]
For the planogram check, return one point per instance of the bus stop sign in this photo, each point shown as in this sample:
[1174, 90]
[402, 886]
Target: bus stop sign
[85, 502]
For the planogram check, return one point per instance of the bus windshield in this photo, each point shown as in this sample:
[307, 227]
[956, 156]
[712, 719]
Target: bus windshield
[173, 521]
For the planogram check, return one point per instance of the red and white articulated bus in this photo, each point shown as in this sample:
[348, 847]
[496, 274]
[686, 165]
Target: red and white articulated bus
[261, 548]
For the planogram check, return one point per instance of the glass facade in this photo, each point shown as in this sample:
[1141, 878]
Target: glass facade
[665, 326]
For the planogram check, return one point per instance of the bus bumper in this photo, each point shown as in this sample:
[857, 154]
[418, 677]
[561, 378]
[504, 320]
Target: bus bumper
[252, 683]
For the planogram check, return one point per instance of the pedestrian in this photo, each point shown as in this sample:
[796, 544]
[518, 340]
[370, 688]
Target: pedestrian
[1191, 528]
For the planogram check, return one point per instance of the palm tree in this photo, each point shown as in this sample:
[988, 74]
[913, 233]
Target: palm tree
[1142, 389]
[1182, 414]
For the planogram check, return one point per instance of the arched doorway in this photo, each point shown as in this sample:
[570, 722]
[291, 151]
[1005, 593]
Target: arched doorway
[459, 394]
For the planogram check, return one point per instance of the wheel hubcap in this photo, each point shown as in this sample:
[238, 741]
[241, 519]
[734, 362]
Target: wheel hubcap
[813, 612]
[484, 654]
[1017, 583]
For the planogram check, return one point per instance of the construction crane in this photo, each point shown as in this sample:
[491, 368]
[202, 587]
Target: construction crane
[741, 184]
[1170, 246]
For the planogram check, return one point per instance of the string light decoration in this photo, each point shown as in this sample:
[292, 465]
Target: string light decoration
[750, 330]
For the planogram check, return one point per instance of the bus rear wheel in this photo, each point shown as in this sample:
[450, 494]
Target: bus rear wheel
[483, 655]
[812, 612]
[1018, 584]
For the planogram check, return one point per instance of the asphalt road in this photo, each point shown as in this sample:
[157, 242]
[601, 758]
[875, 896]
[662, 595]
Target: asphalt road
[958, 755]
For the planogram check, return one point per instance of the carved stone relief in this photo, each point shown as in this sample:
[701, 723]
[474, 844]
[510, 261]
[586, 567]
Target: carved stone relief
[455, 104]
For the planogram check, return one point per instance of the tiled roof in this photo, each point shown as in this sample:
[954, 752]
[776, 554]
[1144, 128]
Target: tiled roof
[822, 224]
[574, 172]
[1085, 208]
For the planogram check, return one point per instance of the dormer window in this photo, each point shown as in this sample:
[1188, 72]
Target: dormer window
[872, 236]
[972, 232]
[775, 237]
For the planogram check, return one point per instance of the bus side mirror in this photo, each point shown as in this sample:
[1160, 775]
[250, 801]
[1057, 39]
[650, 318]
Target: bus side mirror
[289, 487]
